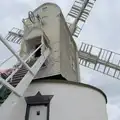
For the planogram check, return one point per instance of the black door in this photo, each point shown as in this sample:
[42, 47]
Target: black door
[38, 52]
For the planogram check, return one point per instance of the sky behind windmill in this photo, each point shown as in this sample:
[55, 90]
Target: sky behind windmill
[101, 29]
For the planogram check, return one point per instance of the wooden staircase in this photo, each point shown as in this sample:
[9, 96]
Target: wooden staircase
[17, 77]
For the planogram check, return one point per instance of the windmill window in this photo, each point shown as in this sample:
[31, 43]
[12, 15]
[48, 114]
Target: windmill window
[38, 112]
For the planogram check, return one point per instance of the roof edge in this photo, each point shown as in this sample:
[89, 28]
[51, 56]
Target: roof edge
[46, 4]
[72, 83]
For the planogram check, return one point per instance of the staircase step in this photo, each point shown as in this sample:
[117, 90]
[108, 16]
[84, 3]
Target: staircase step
[20, 74]
[23, 69]
[19, 71]
[14, 84]
[16, 79]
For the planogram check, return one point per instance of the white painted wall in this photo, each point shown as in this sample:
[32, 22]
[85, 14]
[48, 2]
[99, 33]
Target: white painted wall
[68, 58]
[71, 102]
[16, 111]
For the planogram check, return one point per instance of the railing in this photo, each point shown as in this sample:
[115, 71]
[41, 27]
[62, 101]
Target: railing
[4, 82]
[18, 57]
[13, 73]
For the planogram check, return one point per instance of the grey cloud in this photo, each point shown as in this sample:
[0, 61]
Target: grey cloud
[12, 13]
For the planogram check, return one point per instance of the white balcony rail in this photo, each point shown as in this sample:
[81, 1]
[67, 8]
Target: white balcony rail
[13, 73]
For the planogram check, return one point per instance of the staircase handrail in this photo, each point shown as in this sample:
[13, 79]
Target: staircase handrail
[9, 77]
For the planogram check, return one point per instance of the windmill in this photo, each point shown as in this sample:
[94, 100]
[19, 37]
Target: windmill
[98, 59]
[50, 56]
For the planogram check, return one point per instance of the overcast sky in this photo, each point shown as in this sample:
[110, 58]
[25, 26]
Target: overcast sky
[101, 29]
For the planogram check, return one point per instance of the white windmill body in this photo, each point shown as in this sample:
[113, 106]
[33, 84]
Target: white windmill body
[51, 87]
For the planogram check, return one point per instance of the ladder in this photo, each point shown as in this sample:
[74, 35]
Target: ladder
[21, 78]
[99, 59]
[79, 14]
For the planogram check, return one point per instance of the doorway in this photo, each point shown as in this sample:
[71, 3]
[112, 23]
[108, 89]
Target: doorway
[38, 113]
[38, 52]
